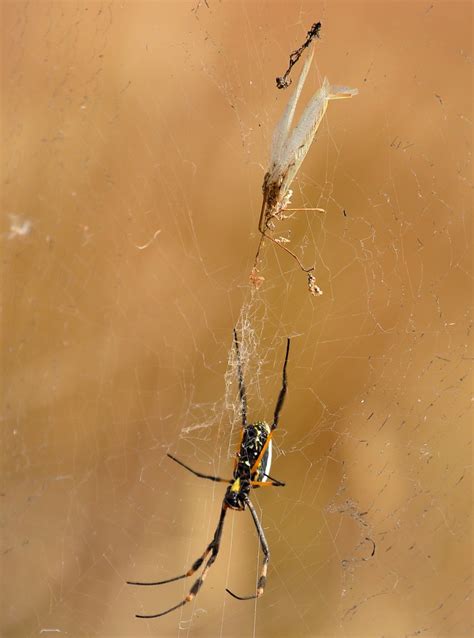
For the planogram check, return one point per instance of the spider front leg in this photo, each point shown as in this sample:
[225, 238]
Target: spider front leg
[212, 548]
[262, 580]
[284, 385]
[240, 374]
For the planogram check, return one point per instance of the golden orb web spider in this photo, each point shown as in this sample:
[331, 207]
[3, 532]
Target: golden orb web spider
[251, 468]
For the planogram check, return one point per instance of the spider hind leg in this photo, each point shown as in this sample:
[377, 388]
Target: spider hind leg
[262, 580]
[212, 548]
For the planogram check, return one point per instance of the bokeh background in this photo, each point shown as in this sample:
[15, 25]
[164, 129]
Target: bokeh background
[135, 140]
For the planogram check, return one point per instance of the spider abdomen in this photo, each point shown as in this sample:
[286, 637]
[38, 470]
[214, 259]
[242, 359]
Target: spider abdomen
[255, 454]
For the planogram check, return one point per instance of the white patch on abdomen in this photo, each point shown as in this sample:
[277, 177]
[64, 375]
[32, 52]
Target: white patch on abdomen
[268, 463]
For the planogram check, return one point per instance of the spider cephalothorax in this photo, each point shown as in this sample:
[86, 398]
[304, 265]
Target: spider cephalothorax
[236, 494]
[251, 470]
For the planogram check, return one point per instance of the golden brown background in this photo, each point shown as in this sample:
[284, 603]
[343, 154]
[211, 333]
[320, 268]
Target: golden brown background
[122, 119]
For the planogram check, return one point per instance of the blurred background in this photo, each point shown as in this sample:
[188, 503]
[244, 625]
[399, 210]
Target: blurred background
[135, 140]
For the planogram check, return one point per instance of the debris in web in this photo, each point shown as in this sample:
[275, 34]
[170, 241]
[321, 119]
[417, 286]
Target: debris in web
[284, 81]
[289, 148]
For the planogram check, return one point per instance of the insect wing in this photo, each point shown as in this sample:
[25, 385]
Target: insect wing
[279, 158]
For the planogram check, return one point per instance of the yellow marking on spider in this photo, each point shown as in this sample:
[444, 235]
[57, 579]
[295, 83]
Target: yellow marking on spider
[235, 485]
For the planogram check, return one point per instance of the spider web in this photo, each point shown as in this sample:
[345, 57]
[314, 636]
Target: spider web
[137, 137]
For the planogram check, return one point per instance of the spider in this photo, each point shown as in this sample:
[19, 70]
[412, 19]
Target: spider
[251, 468]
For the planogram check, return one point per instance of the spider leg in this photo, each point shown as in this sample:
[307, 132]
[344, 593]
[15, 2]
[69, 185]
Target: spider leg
[199, 474]
[266, 557]
[242, 392]
[195, 566]
[212, 548]
[276, 482]
[271, 483]
[281, 396]
[266, 484]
